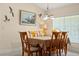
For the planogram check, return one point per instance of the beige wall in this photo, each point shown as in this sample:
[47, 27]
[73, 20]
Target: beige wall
[9, 31]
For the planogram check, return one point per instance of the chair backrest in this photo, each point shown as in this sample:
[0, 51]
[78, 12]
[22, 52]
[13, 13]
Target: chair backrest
[55, 40]
[64, 36]
[24, 40]
[63, 42]
[56, 35]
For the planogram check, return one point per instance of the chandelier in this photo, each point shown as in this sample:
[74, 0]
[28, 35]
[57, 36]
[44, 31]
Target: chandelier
[46, 15]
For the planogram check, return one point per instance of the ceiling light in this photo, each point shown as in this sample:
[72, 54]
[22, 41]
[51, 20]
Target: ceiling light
[46, 15]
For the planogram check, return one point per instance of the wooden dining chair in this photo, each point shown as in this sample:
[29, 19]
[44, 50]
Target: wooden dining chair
[64, 42]
[55, 43]
[26, 46]
[57, 39]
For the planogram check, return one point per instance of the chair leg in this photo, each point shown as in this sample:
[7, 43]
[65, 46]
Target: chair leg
[22, 53]
[29, 53]
[36, 53]
[40, 52]
[60, 52]
[49, 53]
[65, 51]
[62, 49]
[57, 52]
[32, 54]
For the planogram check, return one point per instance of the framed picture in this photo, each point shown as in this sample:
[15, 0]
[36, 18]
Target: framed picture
[27, 18]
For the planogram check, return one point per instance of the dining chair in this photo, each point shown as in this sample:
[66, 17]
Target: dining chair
[26, 46]
[64, 42]
[55, 43]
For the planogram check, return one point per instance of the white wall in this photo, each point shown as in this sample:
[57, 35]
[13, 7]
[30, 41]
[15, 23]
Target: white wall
[9, 31]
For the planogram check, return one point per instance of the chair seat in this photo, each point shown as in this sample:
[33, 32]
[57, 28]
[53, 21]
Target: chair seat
[33, 49]
[35, 45]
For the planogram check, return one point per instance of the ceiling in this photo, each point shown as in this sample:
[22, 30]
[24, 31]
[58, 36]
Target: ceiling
[60, 9]
[51, 5]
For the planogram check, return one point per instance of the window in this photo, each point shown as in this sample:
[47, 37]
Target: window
[69, 24]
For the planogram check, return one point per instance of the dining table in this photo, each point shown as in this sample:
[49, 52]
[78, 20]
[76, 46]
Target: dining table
[43, 41]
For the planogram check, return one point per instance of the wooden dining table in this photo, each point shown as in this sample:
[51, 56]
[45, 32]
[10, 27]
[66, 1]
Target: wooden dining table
[43, 41]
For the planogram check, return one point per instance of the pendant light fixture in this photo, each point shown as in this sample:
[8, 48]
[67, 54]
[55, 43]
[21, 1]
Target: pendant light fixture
[46, 15]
